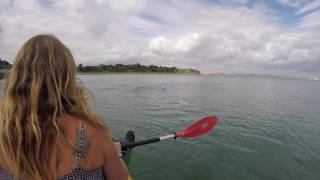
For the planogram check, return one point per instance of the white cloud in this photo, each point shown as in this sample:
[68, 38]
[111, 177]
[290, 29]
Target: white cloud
[293, 3]
[311, 20]
[208, 36]
[25, 4]
[180, 45]
[118, 5]
[309, 7]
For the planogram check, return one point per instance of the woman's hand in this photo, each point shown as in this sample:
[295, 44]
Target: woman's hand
[114, 167]
[117, 145]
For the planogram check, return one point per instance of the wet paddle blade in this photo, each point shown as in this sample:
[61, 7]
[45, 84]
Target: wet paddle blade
[198, 128]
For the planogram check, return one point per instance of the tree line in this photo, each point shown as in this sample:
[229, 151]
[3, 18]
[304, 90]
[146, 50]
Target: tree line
[117, 68]
[4, 67]
[4, 64]
[122, 68]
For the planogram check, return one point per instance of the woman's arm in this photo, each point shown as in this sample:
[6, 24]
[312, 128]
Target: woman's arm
[114, 168]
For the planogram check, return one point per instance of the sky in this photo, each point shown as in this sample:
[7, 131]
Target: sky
[235, 36]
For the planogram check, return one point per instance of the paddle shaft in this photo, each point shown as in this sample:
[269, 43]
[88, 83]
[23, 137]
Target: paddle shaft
[126, 145]
[198, 128]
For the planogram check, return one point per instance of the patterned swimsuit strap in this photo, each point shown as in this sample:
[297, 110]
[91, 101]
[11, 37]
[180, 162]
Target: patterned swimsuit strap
[80, 143]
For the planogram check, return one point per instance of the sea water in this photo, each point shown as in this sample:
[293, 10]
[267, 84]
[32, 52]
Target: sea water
[269, 128]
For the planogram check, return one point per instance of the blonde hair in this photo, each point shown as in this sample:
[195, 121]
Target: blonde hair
[39, 91]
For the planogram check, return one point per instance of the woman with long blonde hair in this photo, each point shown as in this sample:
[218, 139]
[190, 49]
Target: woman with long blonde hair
[47, 128]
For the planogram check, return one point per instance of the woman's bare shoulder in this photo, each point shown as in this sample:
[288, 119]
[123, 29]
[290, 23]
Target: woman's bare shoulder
[93, 139]
[73, 122]
[95, 133]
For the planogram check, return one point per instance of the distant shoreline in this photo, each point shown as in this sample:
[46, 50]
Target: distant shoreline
[2, 73]
[146, 73]
[134, 69]
[117, 69]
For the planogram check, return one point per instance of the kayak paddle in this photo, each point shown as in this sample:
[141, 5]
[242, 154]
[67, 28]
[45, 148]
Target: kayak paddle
[198, 128]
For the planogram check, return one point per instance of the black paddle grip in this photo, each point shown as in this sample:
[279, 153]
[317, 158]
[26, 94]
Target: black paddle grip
[138, 143]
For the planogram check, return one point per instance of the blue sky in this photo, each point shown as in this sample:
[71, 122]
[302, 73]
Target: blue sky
[235, 36]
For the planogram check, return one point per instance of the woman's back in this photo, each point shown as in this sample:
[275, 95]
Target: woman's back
[86, 163]
[89, 143]
[47, 128]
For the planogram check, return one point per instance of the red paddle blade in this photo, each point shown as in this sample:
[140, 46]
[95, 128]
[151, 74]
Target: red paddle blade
[198, 128]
